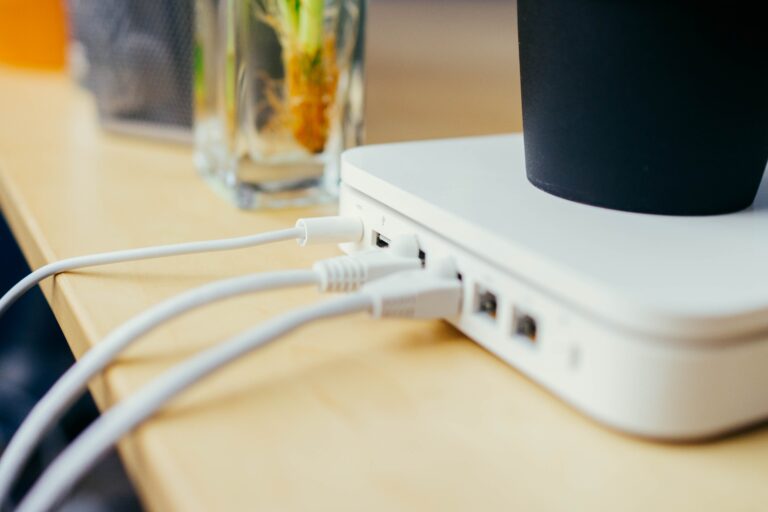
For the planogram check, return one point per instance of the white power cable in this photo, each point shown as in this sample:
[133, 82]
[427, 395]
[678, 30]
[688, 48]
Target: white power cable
[414, 294]
[307, 231]
[70, 386]
[343, 273]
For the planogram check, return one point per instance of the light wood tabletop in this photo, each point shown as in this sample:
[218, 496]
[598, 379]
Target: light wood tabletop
[349, 414]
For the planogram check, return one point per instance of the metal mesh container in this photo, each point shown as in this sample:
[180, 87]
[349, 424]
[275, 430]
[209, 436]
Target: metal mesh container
[136, 58]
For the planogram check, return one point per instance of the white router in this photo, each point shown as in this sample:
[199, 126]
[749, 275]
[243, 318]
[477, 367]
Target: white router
[654, 325]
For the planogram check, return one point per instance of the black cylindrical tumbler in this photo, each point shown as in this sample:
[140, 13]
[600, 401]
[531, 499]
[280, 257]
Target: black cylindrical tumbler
[646, 105]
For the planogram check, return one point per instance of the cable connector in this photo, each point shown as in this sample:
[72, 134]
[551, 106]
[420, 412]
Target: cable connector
[330, 230]
[348, 273]
[432, 293]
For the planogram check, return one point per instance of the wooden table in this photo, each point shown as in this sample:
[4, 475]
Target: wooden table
[351, 414]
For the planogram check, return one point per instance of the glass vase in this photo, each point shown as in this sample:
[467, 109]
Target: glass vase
[278, 97]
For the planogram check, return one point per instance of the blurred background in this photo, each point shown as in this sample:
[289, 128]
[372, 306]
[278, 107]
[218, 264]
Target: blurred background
[434, 68]
[472, 82]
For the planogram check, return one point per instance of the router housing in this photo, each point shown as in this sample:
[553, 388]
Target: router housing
[654, 325]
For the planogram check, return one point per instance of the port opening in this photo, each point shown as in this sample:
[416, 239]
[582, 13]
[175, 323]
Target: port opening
[486, 303]
[384, 242]
[380, 240]
[525, 326]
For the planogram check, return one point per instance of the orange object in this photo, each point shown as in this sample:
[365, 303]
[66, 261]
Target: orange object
[33, 33]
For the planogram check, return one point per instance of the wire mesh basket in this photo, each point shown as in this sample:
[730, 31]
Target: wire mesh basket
[136, 58]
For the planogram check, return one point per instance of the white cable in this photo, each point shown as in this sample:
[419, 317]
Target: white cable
[421, 294]
[96, 440]
[65, 392]
[307, 231]
[343, 273]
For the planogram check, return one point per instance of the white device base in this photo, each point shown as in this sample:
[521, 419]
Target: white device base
[663, 379]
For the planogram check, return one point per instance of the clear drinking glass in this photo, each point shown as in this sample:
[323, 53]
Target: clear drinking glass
[278, 96]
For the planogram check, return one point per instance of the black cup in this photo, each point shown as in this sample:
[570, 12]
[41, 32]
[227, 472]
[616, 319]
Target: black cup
[644, 105]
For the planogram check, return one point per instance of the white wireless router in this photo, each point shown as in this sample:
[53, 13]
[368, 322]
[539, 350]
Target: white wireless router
[654, 325]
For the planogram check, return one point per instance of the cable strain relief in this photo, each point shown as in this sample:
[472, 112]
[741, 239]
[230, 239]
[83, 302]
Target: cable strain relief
[340, 274]
[330, 230]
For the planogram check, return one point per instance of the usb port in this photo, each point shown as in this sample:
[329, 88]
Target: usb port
[380, 240]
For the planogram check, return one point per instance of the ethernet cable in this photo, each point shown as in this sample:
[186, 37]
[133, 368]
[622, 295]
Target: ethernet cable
[412, 294]
[306, 231]
[339, 274]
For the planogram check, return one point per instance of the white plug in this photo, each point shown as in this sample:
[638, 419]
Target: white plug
[330, 230]
[435, 292]
[350, 272]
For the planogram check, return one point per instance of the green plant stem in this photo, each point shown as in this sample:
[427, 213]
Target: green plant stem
[311, 25]
[289, 15]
